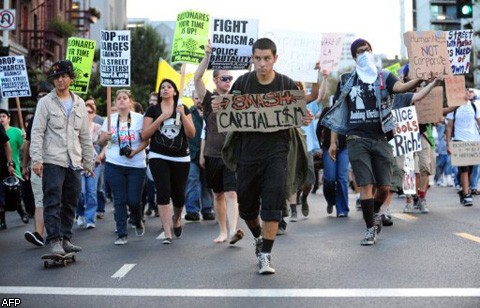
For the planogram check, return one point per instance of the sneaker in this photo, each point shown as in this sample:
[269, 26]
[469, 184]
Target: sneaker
[208, 216]
[35, 238]
[305, 208]
[192, 217]
[69, 247]
[282, 227]
[140, 228]
[25, 218]
[156, 213]
[422, 206]
[387, 220]
[467, 200]
[258, 245]
[264, 265]
[148, 212]
[416, 201]
[377, 218]
[329, 208]
[358, 204]
[90, 225]
[408, 206]
[370, 237]
[167, 241]
[56, 247]
[121, 240]
[3, 225]
[100, 215]
[293, 217]
[81, 221]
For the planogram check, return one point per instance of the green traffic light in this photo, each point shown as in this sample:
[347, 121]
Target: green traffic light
[466, 9]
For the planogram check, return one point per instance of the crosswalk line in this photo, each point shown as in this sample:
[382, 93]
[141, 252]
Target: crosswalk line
[406, 217]
[469, 237]
[123, 271]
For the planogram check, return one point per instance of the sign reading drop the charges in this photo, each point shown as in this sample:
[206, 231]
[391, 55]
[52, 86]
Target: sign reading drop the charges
[80, 52]
[267, 112]
[115, 58]
[407, 132]
[13, 77]
[232, 41]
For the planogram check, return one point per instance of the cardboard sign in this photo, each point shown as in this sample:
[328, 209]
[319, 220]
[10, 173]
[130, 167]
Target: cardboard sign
[115, 58]
[332, 45]
[14, 77]
[455, 88]
[460, 45]
[298, 52]
[80, 52]
[428, 54]
[232, 41]
[268, 112]
[190, 37]
[465, 153]
[407, 131]
[430, 108]
[408, 181]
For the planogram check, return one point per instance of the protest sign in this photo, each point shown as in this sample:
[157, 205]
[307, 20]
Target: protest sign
[115, 58]
[331, 50]
[428, 54]
[429, 109]
[261, 112]
[394, 69]
[298, 52]
[232, 41]
[459, 43]
[13, 77]
[80, 52]
[190, 37]
[408, 181]
[465, 153]
[455, 88]
[407, 133]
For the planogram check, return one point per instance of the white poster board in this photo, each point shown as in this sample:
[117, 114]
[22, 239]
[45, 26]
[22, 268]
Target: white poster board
[115, 49]
[14, 77]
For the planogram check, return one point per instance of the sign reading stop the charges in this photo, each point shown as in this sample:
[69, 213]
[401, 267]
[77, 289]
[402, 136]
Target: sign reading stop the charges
[80, 52]
[232, 41]
[268, 112]
[115, 58]
[13, 77]
[465, 153]
[407, 132]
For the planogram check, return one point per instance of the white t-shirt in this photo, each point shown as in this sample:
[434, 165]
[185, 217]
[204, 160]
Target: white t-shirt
[465, 124]
[133, 136]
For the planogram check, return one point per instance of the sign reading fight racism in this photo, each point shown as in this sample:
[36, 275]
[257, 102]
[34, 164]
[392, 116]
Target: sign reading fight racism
[13, 77]
[332, 45]
[80, 52]
[408, 181]
[429, 109]
[428, 54]
[465, 153]
[459, 43]
[115, 58]
[455, 88]
[297, 54]
[190, 37]
[407, 132]
[232, 41]
[268, 112]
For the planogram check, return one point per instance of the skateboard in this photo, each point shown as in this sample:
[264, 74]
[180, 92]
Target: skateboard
[57, 259]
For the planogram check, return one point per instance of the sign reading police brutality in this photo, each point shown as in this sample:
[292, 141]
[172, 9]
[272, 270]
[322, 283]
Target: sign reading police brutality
[232, 41]
[428, 54]
[115, 58]
[13, 77]
[268, 112]
[459, 48]
[80, 52]
[190, 37]
[465, 153]
[407, 132]
[332, 45]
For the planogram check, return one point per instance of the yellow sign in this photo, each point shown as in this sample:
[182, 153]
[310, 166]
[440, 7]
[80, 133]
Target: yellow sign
[80, 52]
[190, 37]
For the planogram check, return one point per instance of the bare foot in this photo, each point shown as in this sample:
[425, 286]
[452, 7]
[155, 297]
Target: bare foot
[220, 239]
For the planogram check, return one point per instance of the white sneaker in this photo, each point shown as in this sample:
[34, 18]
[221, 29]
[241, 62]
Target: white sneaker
[264, 264]
[408, 207]
[121, 240]
[90, 225]
[81, 221]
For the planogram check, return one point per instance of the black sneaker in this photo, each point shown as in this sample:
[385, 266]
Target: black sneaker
[3, 225]
[35, 238]
[192, 217]
[148, 212]
[208, 216]
[377, 222]
[282, 227]
[305, 208]
[387, 220]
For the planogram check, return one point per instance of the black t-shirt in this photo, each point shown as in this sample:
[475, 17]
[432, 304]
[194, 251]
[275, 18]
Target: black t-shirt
[213, 139]
[28, 131]
[364, 119]
[3, 157]
[169, 139]
[253, 146]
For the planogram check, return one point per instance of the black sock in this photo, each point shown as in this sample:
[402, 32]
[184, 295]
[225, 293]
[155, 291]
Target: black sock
[376, 206]
[267, 246]
[256, 231]
[367, 209]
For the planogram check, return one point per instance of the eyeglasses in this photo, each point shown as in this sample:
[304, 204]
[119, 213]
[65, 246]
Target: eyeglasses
[226, 78]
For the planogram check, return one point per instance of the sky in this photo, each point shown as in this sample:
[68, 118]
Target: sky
[361, 17]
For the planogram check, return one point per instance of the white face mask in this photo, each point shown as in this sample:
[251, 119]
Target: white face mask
[366, 69]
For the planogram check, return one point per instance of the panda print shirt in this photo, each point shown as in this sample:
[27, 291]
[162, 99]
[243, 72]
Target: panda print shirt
[169, 141]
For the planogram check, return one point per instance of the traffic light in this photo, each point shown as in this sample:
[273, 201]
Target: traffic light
[464, 9]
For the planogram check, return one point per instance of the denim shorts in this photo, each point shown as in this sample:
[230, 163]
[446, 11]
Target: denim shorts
[371, 160]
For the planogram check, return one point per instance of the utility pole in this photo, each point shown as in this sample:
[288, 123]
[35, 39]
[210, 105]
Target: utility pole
[6, 5]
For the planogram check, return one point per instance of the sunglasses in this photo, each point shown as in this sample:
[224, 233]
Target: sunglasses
[226, 78]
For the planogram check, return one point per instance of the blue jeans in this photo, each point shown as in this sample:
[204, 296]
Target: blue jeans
[87, 206]
[474, 177]
[443, 166]
[126, 184]
[61, 190]
[198, 196]
[335, 184]
[101, 198]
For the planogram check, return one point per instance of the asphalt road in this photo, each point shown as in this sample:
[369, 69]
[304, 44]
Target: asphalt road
[423, 260]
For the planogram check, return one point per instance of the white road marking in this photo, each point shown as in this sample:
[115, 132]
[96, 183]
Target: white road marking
[123, 271]
[326, 293]
[469, 237]
[406, 217]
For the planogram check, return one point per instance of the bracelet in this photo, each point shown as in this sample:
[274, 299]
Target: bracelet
[11, 164]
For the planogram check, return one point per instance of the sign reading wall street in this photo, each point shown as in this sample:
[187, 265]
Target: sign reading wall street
[13, 77]
[115, 58]
[267, 112]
